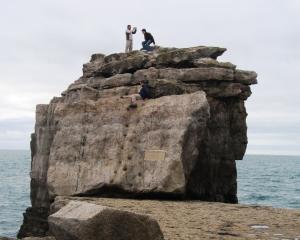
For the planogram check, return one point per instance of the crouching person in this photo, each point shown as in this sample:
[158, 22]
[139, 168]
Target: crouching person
[144, 93]
[148, 41]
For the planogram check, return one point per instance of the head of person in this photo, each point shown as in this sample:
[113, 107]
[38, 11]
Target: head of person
[144, 31]
[128, 27]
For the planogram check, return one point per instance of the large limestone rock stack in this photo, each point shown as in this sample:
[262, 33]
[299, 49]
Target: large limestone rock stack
[182, 143]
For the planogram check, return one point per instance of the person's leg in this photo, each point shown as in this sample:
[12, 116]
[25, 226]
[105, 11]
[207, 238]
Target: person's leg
[147, 46]
[133, 103]
[130, 45]
[127, 46]
[143, 44]
[133, 99]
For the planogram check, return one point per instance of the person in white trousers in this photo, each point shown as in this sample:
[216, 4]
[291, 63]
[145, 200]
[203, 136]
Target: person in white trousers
[129, 38]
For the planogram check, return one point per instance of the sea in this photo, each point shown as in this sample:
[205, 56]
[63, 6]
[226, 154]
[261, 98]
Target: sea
[262, 180]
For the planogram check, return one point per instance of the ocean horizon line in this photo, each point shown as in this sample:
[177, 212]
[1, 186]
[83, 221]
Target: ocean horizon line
[246, 154]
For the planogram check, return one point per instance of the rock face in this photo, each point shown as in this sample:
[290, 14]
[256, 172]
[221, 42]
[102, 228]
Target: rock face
[111, 143]
[181, 143]
[81, 221]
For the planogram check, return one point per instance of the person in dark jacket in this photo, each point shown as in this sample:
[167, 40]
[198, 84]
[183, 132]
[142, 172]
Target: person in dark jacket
[143, 93]
[148, 41]
[145, 90]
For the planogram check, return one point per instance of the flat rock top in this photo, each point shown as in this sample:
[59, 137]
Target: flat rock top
[201, 220]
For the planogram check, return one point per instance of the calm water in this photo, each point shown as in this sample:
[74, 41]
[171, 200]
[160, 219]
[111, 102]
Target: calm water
[269, 180]
[14, 190]
[263, 180]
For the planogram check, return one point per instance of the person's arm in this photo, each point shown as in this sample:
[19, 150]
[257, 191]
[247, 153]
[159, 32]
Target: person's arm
[134, 30]
[152, 39]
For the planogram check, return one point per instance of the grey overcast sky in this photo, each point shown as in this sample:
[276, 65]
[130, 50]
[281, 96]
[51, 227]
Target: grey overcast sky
[44, 44]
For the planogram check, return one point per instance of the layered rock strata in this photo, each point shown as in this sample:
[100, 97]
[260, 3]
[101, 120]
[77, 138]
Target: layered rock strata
[182, 143]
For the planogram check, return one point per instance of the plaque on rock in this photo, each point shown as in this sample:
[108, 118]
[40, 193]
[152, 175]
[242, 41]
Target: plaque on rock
[155, 155]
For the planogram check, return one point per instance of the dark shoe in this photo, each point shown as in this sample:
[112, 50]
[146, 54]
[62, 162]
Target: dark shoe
[132, 105]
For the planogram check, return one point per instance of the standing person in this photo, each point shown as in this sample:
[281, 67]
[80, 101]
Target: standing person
[148, 40]
[129, 38]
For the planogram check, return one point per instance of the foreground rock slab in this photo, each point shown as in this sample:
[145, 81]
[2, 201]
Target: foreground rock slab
[39, 238]
[82, 220]
[29, 238]
[195, 220]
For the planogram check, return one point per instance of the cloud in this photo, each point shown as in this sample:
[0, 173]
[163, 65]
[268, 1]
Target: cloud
[15, 133]
[45, 43]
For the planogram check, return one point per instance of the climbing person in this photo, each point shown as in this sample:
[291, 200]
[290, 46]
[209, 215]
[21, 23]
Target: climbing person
[145, 90]
[144, 93]
[129, 38]
[148, 41]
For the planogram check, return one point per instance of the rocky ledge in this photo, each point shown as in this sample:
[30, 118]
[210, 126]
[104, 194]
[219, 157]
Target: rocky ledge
[178, 220]
[194, 220]
[180, 144]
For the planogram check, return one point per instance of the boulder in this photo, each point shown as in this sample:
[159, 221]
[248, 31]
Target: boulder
[113, 144]
[82, 220]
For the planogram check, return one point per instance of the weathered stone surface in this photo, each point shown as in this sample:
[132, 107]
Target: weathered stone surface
[35, 218]
[163, 87]
[114, 81]
[119, 91]
[128, 65]
[81, 221]
[185, 56]
[210, 62]
[92, 66]
[146, 74]
[39, 238]
[29, 238]
[185, 74]
[111, 151]
[202, 220]
[245, 77]
[221, 90]
[197, 74]
[88, 143]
